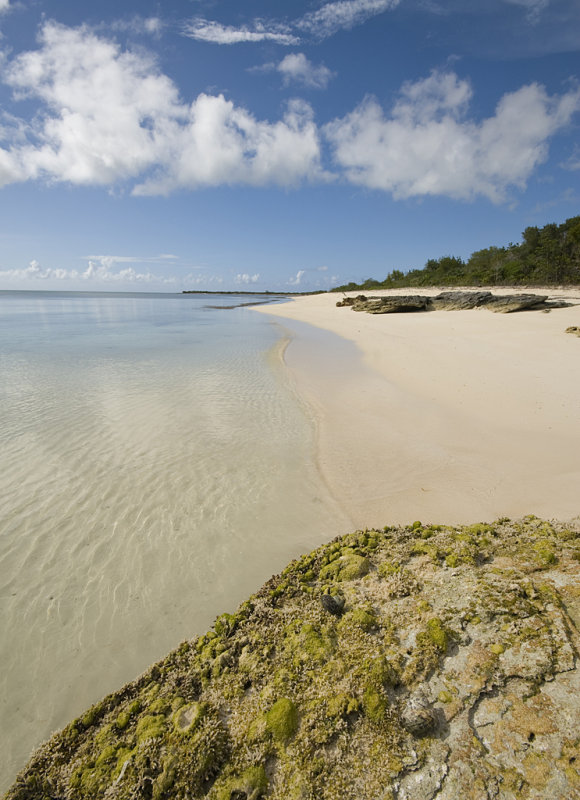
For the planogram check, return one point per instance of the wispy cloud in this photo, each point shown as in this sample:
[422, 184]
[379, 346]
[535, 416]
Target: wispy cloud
[533, 8]
[4, 6]
[342, 15]
[260, 31]
[320, 24]
[150, 26]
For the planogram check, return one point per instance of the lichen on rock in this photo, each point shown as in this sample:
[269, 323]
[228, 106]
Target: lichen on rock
[445, 666]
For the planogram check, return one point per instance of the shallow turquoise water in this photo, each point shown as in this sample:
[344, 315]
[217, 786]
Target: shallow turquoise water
[155, 468]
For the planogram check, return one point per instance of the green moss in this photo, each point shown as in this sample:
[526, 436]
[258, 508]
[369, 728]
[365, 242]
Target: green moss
[374, 704]
[251, 785]
[122, 720]
[544, 550]
[106, 756]
[497, 648]
[361, 618]
[444, 696]
[416, 525]
[282, 720]
[347, 566]
[225, 624]
[428, 549]
[430, 645]
[341, 705]
[134, 707]
[389, 568]
[306, 642]
[150, 726]
[159, 706]
[438, 634]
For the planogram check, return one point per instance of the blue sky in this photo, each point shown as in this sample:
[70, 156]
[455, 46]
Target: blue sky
[223, 145]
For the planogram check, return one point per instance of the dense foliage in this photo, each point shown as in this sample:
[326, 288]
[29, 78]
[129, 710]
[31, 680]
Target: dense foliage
[548, 255]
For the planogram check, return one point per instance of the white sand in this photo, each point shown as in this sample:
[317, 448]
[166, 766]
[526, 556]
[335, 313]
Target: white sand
[455, 416]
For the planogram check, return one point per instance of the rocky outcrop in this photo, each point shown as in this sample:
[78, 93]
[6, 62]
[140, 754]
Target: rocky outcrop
[443, 665]
[450, 301]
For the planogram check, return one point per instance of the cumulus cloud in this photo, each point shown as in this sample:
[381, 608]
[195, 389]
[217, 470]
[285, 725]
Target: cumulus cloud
[296, 280]
[222, 144]
[246, 278]
[295, 67]
[344, 14]
[428, 146]
[97, 271]
[110, 115]
[261, 31]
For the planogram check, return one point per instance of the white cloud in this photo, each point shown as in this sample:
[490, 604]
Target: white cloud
[222, 144]
[100, 271]
[324, 22]
[4, 6]
[534, 8]
[297, 279]
[296, 67]
[344, 14]
[110, 115]
[216, 33]
[246, 278]
[427, 146]
[150, 26]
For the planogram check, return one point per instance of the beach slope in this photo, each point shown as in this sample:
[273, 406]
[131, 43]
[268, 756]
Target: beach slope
[446, 415]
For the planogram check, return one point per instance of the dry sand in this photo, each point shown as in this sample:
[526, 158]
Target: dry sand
[449, 417]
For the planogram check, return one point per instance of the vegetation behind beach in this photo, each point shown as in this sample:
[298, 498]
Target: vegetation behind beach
[546, 256]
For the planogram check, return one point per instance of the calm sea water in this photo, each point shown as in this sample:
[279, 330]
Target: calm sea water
[155, 468]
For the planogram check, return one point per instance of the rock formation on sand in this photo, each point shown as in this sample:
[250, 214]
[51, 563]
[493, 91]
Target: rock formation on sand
[450, 301]
[408, 663]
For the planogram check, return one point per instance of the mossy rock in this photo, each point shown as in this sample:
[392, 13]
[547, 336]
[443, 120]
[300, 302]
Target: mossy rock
[250, 785]
[348, 566]
[282, 720]
[286, 701]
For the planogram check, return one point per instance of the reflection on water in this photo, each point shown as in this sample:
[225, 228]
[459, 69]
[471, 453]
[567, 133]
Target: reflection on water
[155, 468]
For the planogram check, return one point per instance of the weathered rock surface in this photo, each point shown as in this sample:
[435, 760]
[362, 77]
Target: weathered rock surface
[450, 301]
[451, 672]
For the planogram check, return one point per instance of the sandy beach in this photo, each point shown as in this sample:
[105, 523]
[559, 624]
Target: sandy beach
[446, 416]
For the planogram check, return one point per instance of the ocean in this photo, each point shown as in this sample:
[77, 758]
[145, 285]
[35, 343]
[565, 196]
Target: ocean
[156, 467]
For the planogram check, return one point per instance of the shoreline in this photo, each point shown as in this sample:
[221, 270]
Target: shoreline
[446, 416]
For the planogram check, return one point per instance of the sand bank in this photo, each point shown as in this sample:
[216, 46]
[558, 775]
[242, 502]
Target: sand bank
[450, 416]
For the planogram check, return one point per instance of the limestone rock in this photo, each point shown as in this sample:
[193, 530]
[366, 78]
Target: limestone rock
[451, 301]
[464, 685]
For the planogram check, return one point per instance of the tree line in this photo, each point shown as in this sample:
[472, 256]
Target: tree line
[546, 256]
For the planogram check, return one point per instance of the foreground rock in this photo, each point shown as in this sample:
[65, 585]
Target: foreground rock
[445, 665]
[450, 301]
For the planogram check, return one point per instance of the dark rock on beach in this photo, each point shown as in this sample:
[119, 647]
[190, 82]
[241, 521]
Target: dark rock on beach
[450, 301]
